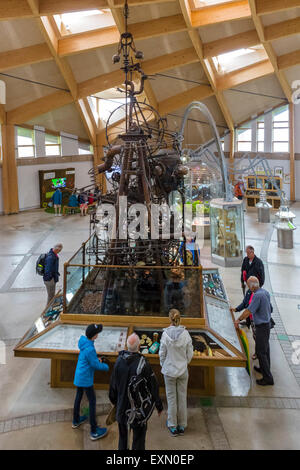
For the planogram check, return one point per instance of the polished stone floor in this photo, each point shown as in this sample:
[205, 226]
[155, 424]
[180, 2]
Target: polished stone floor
[241, 416]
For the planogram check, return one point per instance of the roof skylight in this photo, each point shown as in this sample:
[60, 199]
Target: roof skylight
[82, 21]
[196, 4]
[234, 60]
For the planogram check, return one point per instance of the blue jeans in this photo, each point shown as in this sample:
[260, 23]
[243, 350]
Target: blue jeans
[91, 396]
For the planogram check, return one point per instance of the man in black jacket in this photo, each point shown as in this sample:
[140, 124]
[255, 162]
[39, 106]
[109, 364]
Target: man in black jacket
[252, 266]
[125, 367]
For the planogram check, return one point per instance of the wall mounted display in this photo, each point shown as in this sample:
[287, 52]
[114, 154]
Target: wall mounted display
[278, 171]
[255, 184]
[50, 180]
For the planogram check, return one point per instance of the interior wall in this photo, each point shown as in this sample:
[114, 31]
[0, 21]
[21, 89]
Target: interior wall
[28, 180]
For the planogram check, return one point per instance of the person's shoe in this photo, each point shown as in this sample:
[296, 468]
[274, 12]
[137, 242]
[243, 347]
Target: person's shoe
[82, 420]
[264, 382]
[254, 357]
[59, 215]
[172, 429]
[55, 215]
[180, 430]
[100, 432]
[257, 369]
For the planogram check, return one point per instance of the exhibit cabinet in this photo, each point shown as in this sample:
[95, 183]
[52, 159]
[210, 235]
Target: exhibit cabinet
[126, 299]
[255, 184]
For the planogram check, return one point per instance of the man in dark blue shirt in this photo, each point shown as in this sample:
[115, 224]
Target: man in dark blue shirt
[51, 273]
[261, 310]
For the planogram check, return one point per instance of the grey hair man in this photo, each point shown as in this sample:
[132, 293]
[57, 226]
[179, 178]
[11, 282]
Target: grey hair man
[125, 368]
[51, 271]
[261, 309]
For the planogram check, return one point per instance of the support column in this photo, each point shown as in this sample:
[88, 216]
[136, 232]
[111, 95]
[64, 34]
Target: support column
[231, 153]
[9, 171]
[99, 158]
[292, 151]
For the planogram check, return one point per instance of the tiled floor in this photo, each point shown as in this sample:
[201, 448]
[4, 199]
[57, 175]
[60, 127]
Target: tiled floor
[242, 415]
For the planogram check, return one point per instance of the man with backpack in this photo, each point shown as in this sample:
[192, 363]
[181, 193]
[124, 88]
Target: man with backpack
[50, 272]
[134, 391]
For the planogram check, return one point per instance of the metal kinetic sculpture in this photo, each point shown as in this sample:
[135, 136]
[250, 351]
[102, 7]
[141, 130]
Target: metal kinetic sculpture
[140, 169]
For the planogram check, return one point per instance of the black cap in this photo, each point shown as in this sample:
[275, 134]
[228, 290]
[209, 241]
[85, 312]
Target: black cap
[93, 330]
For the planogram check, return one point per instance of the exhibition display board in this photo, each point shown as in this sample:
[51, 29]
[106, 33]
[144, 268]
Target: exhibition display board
[206, 316]
[255, 184]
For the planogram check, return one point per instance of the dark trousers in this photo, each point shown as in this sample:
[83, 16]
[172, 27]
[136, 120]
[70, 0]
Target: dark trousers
[139, 437]
[91, 396]
[262, 349]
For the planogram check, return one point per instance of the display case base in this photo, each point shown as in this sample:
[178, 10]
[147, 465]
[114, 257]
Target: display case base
[201, 379]
[227, 262]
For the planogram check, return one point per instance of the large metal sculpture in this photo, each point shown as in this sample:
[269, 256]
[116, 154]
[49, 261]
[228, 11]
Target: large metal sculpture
[142, 168]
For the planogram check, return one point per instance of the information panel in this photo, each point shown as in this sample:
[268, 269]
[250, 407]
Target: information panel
[65, 338]
[220, 320]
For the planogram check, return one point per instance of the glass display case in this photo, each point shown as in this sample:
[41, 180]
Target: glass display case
[227, 232]
[213, 284]
[139, 291]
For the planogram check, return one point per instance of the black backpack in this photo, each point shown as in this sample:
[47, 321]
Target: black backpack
[140, 397]
[40, 264]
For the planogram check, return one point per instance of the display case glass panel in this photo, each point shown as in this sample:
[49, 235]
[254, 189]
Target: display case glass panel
[213, 285]
[227, 229]
[65, 337]
[205, 343]
[220, 320]
[49, 316]
[145, 291]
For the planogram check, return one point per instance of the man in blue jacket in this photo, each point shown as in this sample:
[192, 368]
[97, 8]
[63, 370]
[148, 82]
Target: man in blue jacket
[57, 200]
[51, 273]
[87, 363]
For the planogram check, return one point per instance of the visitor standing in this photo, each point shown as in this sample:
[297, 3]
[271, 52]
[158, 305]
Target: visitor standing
[261, 309]
[132, 364]
[175, 353]
[57, 201]
[252, 266]
[87, 363]
[51, 271]
[83, 203]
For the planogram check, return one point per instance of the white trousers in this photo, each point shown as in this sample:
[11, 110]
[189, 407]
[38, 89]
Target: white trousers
[176, 392]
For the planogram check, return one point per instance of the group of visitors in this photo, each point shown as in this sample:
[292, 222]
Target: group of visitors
[77, 199]
[257, 310]
[133, 370]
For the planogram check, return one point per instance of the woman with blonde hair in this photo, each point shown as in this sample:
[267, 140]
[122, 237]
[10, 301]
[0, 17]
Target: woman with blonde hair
[175, 353]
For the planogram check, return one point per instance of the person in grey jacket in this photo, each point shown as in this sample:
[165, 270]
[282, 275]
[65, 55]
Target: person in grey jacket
[175, 353]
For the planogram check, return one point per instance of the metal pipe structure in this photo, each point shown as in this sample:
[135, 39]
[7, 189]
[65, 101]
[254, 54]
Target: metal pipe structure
[204, 110]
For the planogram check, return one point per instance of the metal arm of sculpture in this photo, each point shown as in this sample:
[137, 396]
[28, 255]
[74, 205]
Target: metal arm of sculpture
[204, 110]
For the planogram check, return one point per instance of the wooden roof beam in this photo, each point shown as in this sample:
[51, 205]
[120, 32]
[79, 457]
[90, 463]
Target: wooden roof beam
[24, 56]
[184, 99]
[288, 60]
[231, 43]
[264, 7]
[107, 36]
[262, 33]
[40, 106]
[150, 67]
[120, 3]
[245, 75]
[283, 29]
[58, 7]
[11, 9]
[220, 13]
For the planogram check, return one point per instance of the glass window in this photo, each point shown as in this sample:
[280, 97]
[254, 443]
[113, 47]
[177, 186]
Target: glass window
[25, 142]
[52, 145]
[281, 138]
[244, 138]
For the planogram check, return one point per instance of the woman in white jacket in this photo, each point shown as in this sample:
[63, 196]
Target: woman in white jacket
[175, 353]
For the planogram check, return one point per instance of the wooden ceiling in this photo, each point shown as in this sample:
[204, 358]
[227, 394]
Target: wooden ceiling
[177, 41]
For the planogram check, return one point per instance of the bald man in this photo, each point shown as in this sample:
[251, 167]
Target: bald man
[261, 310]
[126, 367]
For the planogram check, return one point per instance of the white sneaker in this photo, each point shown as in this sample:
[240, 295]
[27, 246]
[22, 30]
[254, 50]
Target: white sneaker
[55, 215]
[59, 215]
